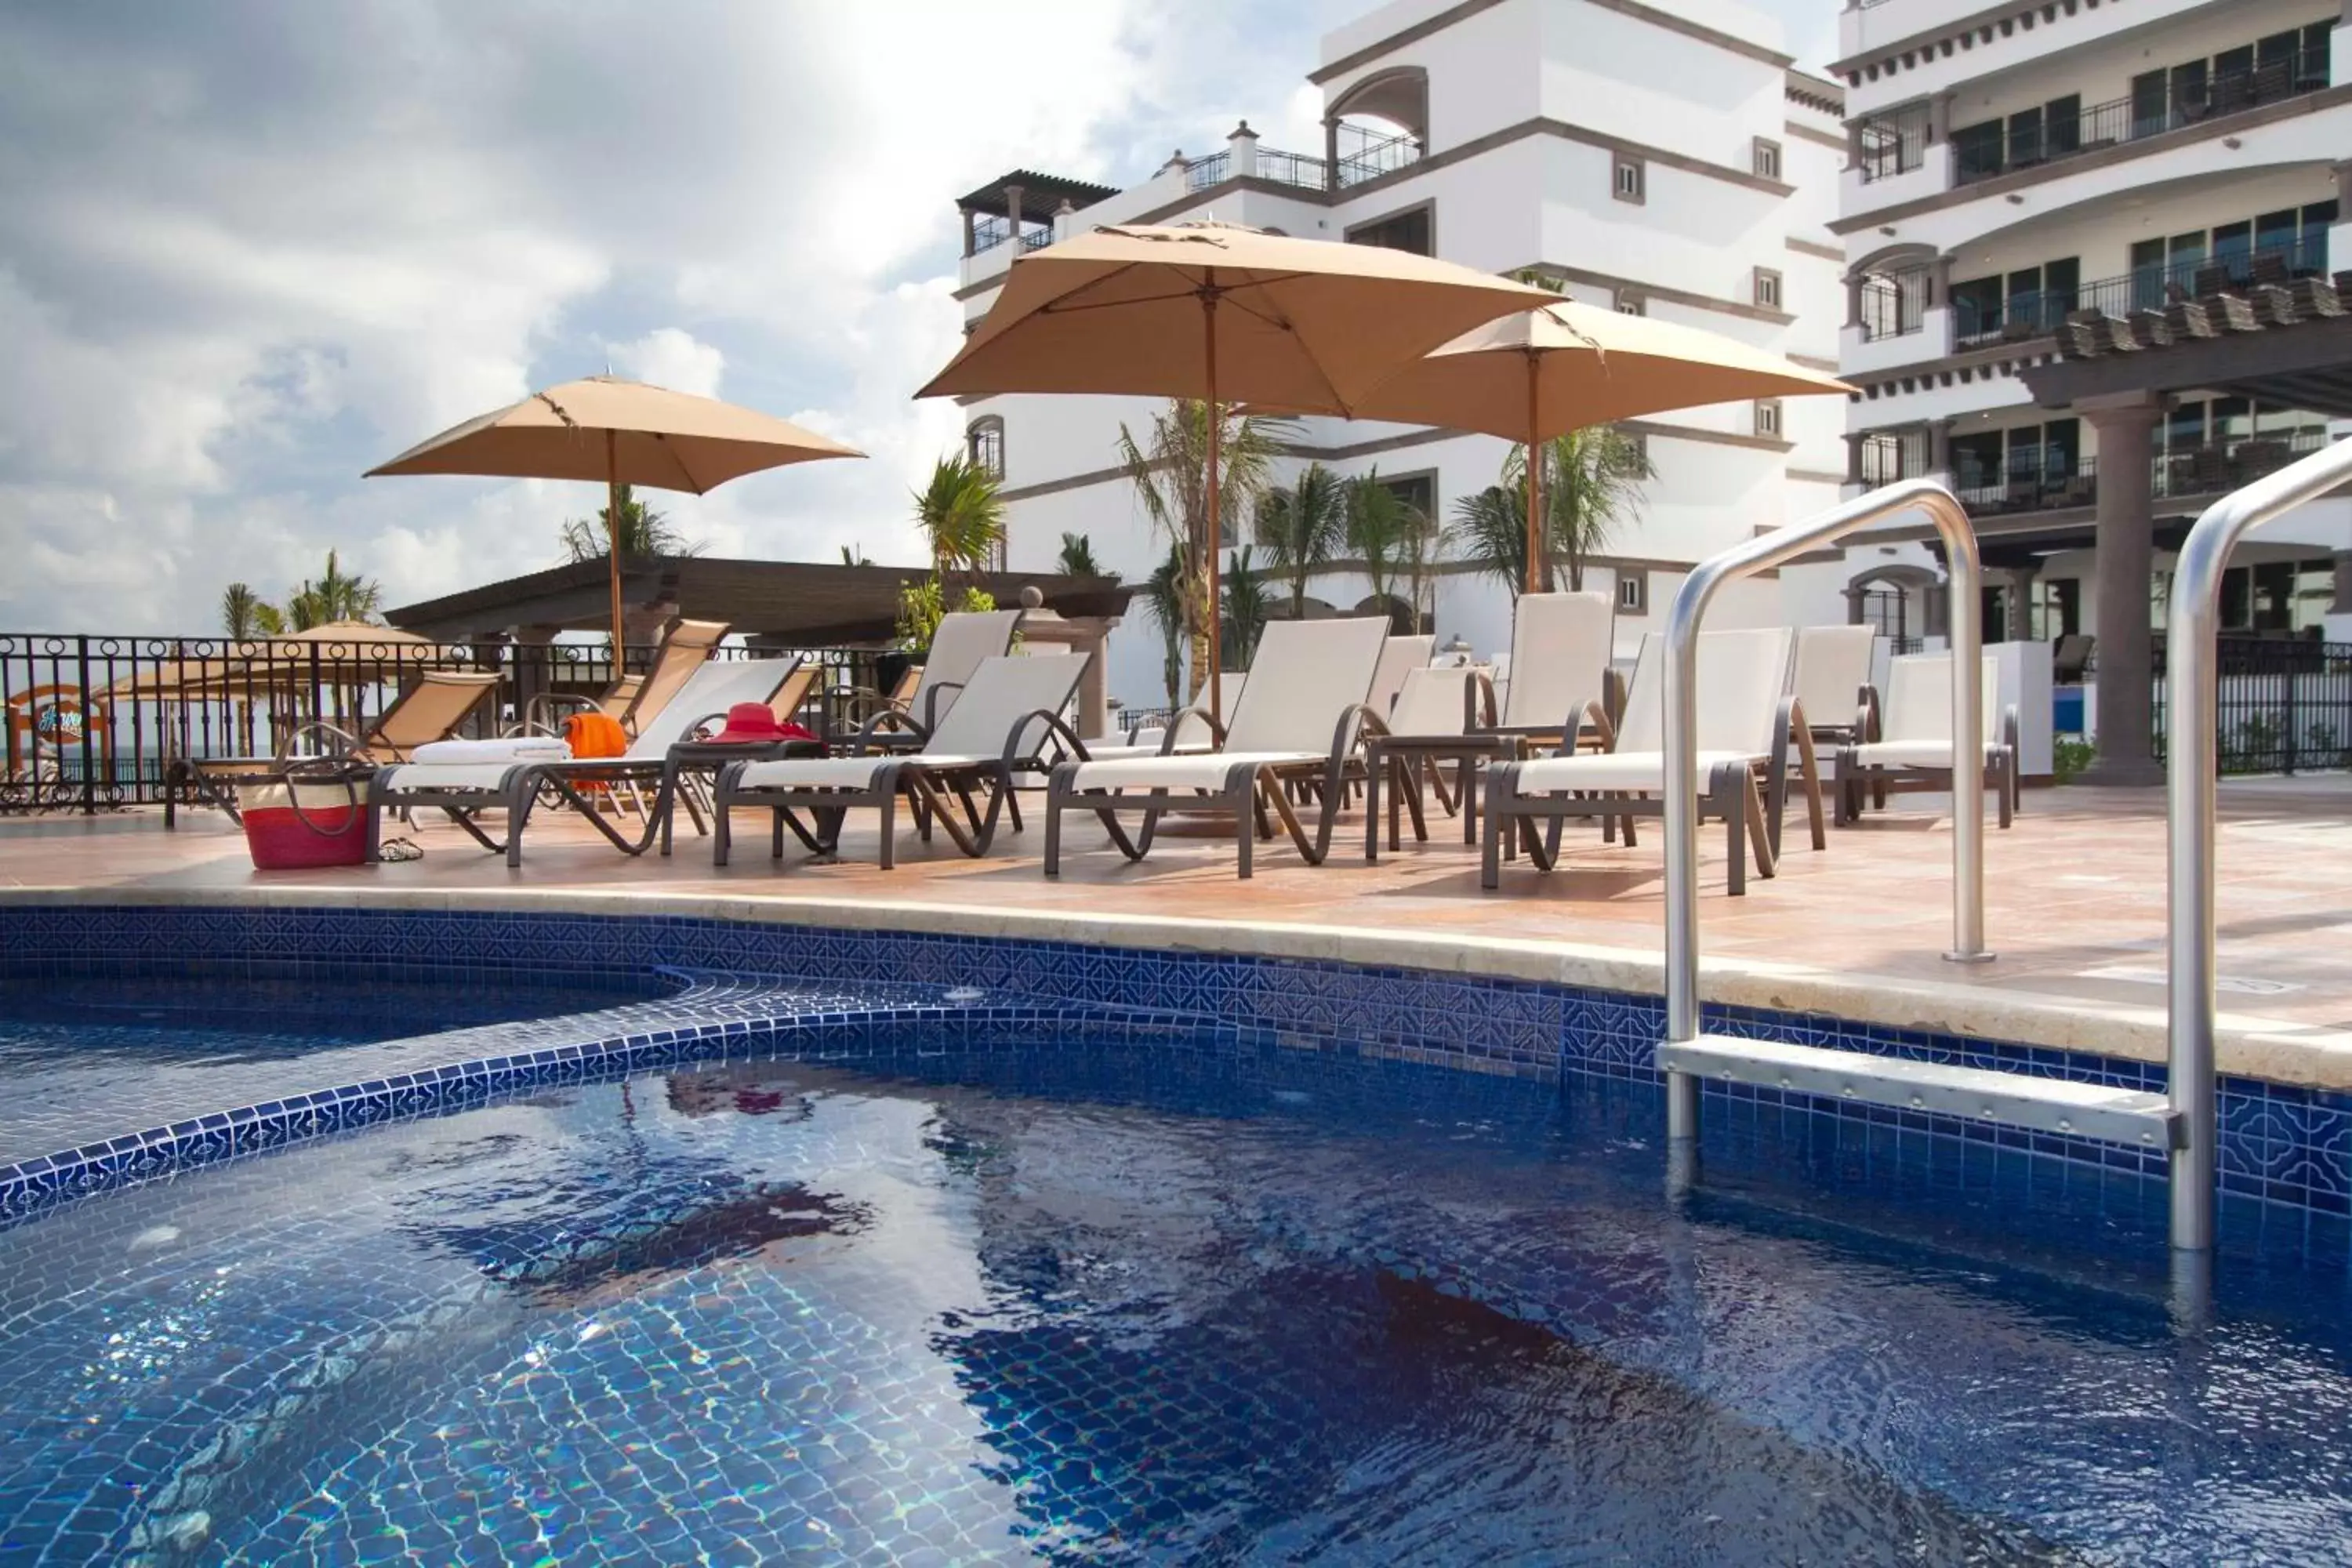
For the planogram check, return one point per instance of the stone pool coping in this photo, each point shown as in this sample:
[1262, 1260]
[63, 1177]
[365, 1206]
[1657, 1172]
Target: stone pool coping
[2249, 1046]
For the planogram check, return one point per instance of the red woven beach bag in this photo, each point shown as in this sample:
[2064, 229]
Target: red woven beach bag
[306, 817]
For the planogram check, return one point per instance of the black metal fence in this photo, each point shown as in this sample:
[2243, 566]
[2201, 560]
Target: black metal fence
[2284, 706]
[95, 721]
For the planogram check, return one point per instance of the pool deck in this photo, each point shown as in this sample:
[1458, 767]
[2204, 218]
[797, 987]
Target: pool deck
[2074, 899]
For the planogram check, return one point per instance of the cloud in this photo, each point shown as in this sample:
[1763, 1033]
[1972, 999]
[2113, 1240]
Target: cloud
[254, 249]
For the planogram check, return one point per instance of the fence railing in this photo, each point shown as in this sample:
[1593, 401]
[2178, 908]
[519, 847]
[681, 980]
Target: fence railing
[2032, 141]
[2284, 706]
[94, 720]
[1893, 143]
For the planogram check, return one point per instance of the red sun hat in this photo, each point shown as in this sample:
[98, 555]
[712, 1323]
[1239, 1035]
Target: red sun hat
[753, 723]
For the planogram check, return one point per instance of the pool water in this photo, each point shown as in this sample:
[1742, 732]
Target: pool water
[83, 1057]
[1122, 1303]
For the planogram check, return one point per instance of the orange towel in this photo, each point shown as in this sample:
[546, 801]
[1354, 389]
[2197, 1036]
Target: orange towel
[595, 735]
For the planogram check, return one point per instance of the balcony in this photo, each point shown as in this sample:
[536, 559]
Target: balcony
[2040, 314]
[2181, 474]
[2036, 139]
[1362, 156]
[988, 233]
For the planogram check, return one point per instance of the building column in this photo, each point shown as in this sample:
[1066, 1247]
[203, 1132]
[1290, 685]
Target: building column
[2020, 603]
[1242, 146]
[1940, 119]
[1331, 154]
[970, 239]
[2122, 573]
[1012, 213]
[1853, 142]
[1854, 440]
[2342, 603]
[528, 655]
[1939, 452]
[1854, 300]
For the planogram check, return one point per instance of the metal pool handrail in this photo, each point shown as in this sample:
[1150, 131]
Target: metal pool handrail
[1944, 509]
[2191, 691]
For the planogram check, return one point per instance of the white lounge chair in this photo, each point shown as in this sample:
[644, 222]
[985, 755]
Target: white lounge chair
[1745, 722]
[998, 729]
[963, 638]
[1914, 750]
[1444, 713]
[464, 791]
[1296, 723]
[1560, 649]
[1832, 682]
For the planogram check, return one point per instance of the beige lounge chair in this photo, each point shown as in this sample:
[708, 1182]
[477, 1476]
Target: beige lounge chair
[1832, 682]
[684, 647]
[464, 791]
[432, 710]
[996, 731]
[963, 638]
[1296, 723]
[1746, 724]
[1914, 750]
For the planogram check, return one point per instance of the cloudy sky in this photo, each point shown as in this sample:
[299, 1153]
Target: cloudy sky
[251, 248]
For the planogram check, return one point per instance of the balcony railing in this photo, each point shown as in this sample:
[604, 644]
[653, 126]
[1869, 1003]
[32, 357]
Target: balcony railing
[2122, 119]
[1893, 143]
[991, 232]
[2041, 312]
[2036, 484]
[1372, 156]
[1291, 169]
[1213, 170]
[1370, 159]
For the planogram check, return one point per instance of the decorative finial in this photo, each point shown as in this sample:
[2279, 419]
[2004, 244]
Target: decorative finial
[1030, 598]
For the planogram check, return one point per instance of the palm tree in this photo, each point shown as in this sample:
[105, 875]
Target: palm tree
[1170, 471]
[241, 612]
[1246, 610]
[1077, 559]
[333, 597]
[961, 515]
[1490, 532]
[1303, 528]
[1591, 481]
[1163, 601]
[852, 555]
[1379, 521]
[644, 532]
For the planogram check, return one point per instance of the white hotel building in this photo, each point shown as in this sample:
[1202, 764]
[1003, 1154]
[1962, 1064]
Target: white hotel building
[1662, 160]
[2014, 165]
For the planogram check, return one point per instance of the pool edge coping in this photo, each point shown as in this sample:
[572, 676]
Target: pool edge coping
[2270, 1050]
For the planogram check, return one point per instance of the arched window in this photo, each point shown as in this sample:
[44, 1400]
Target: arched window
[983, 443]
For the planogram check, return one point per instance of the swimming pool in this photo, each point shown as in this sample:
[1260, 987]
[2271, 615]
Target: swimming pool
[1183, 1299]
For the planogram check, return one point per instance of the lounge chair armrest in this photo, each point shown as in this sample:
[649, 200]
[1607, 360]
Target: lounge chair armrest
[349, 745]
[539, 717]
[1602, 724]
[931, 703]
[1016, 754]
[1478, 699]
[1866, 717]
[1356, 722]
[693, 731]
[890, 721]
[2011, 727]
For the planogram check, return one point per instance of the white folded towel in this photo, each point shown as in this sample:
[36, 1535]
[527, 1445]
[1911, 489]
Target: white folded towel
[515, 749]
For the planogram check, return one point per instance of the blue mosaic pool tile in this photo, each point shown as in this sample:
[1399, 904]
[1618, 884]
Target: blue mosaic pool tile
[2287, 1146]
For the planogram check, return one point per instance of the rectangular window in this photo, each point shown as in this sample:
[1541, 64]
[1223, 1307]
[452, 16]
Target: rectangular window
[1629, 185]
[2024, 138]
[1632, 592]
[2149, 104]
[1768, 158]
[1768, 417]
[1976, 151]
[1976, 309]
[2062, 125]
[1768, 288]
[1412, 231]
[1976, 466]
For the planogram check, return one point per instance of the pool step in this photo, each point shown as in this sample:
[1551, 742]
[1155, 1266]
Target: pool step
[2017, 1099]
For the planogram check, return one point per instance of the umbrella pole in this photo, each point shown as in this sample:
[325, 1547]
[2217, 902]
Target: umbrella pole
[1216, 514]
[1534, 488]
[612, 535]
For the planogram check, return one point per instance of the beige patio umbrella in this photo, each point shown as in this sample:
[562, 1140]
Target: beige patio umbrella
[1541, 374]
[1220, 313]
[624, 433]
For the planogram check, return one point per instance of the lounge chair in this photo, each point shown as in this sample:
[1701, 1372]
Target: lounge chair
[997, 730]
[463, 789]
[1562, 643]
[1444, 713]
[432, 710]
[685, 646]
[1915, 751]
[1189, 730]
[1296, 723]
[963, 639]
[1746, 723]
[1832, 682]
